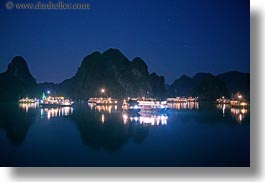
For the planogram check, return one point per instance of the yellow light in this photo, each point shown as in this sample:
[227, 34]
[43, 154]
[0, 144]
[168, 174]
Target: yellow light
[243, 111]
[102, 118]
[125, 118]
[240, 117]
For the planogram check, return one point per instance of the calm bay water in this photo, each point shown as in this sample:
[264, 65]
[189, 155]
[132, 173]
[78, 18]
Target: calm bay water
[202, 134]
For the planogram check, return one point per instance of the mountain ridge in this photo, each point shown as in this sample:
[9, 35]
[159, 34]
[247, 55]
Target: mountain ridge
[121, 78]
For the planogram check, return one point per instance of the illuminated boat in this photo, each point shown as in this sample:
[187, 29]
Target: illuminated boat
[131, 106]
[238, 100]
[223, 100]
[236, 103]
[28, 101]
[56, 102]
[152, 105]
[103, 101]
[182, 99]
[144, 105]
[193, 99]
[92, 100]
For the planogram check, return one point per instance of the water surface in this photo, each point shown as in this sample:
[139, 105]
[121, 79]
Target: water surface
[202, 134]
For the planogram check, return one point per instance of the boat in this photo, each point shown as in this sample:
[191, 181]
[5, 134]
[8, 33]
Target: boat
[193, 99]
[28, 100]
[238, 101]
[223, 100]
[182, 99]
[240, 104]
[93, 100]
[131, 106]
[152, 105]
[103, 101]
[183, 105]
[135, 105]
[56, 102]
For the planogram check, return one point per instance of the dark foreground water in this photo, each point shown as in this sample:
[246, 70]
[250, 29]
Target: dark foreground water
[187, 135]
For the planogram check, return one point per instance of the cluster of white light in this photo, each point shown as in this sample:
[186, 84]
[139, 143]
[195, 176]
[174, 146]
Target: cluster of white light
[27, 106]
[56, 112]
[28, 100]
[145, 104]
[103, 108]
[148, 120]
[239, 114]
[103, 101]
[184, 105]
[134, 107]
[57, 101]
[183, 99]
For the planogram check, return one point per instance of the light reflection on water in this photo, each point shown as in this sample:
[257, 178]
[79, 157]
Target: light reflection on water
[56, 112]
[237, 113]
[47, 112]
[106, 136]
[142, 118]
[146, 119]
[103, 108]
[27, 106]
[184, 105]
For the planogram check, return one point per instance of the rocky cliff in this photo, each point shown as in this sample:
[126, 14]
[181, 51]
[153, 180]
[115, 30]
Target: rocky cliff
[17, 81]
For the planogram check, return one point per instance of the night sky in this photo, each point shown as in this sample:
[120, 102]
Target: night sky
[173, 37]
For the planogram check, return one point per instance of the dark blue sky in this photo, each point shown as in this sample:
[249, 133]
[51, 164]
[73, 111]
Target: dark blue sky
[174, 37]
